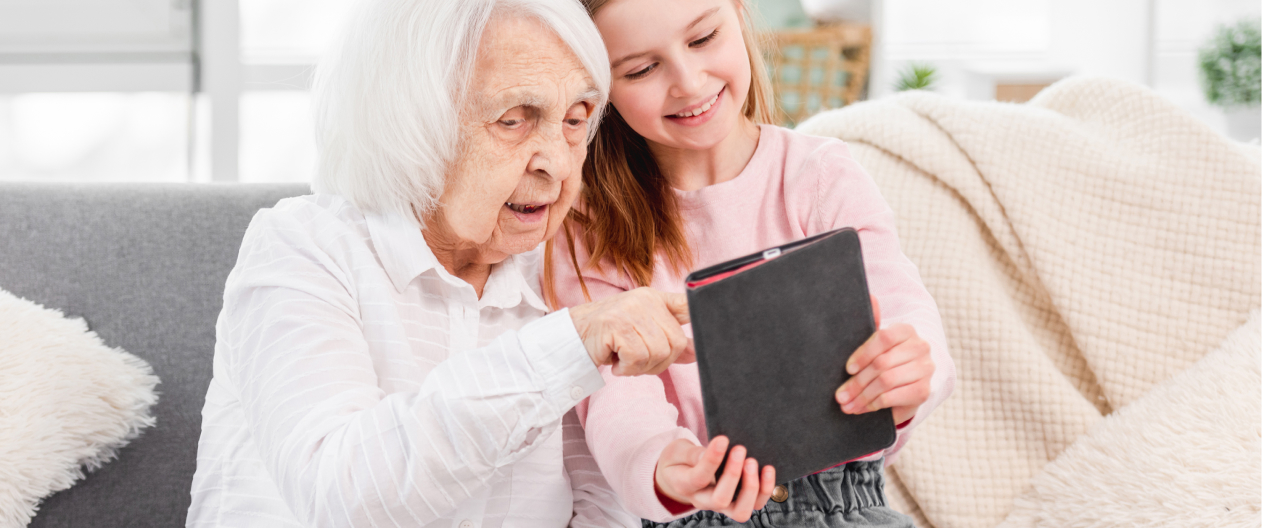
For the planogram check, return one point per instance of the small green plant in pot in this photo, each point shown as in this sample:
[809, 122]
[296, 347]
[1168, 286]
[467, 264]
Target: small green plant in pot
[1231, 74]
[916, 76]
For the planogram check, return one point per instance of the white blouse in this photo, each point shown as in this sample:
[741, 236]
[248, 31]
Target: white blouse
[357, 383]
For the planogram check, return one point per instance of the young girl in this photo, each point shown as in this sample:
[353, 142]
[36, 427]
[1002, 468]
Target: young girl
[685, 172]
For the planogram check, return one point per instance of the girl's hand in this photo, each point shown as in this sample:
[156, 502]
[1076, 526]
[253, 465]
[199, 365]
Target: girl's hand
[892, 369]
[637, 332]
[685, 474]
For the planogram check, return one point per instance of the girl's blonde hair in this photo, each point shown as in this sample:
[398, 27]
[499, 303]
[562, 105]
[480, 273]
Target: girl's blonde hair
[628, 213]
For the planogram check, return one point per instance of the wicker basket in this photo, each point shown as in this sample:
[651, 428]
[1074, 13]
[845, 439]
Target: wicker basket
[818, 69]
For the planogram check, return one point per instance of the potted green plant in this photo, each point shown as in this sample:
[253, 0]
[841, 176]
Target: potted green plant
[1231, 74]
[916, 76]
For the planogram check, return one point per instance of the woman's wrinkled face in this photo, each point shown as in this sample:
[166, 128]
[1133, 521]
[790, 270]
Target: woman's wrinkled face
[680, 68]
[523, 141]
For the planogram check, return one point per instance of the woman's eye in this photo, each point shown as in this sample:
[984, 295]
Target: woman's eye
[701, 41]
[514, 117]
[575, 121]
[642, 73]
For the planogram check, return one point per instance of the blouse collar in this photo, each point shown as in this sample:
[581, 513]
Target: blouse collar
[401, 248]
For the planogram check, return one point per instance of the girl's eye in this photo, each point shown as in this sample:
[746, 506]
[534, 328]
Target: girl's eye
[703, 40]
[643, 72]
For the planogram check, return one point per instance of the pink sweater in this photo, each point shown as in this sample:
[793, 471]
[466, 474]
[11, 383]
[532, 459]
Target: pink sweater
[794, 186]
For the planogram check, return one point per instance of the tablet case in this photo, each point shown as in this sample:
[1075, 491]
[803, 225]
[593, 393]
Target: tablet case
[773, 331]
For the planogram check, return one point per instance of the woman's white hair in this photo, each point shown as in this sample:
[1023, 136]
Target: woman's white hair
[387, 98]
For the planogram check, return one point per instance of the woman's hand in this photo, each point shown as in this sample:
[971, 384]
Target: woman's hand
[892, 369]
[637, 331]
[685, 474]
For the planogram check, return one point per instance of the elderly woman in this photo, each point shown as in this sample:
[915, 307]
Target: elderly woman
[384, 357]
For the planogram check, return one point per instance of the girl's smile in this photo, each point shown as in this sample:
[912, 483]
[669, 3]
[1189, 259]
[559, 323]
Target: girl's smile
[699, 114]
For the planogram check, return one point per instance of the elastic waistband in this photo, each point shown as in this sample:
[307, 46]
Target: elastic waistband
[842, 489]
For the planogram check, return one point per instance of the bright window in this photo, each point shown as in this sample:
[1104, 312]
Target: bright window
[289, 30]
[95, 136]
[277, 137]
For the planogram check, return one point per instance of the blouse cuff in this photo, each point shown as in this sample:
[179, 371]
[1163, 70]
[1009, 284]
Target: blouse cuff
[557, 354]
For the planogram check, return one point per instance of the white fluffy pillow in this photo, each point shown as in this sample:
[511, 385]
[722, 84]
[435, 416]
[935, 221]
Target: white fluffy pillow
[1188, 453]
[67, 401]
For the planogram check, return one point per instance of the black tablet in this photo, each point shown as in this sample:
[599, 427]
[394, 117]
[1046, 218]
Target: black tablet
[773, 331]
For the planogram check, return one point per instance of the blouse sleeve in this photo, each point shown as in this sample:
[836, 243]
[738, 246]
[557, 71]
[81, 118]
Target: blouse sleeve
[342, 452]
[848, 197]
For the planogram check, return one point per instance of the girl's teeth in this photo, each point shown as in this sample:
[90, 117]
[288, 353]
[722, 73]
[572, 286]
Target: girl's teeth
[701, 110]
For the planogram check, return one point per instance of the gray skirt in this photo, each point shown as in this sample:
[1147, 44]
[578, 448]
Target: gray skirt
[849, 495]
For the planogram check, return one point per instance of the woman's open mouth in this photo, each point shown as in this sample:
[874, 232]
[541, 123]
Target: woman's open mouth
[527, 212]
[525, 208]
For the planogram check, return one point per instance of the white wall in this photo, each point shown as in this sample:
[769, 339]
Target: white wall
[144, 123]
[1151, 42]
[957, 36]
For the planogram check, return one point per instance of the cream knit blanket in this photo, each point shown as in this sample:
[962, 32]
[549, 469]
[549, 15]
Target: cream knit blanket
[1082, 248]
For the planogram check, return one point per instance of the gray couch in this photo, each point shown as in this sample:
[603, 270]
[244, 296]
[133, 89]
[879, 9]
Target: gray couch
[144, 265]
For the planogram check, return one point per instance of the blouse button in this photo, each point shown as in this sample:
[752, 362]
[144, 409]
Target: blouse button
[576, 393]
[466, 524]
[780, 494]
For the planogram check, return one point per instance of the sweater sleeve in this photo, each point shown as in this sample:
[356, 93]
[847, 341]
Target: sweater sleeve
[629, 421]
[846, 196]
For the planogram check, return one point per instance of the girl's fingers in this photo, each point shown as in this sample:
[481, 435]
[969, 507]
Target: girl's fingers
[876, 311]
[884, 339]
[912, 395]
[884, 382]
[743, 506]
[766, 487]
[701, 476]
[725, 488]
[885, 391]
[854, 364]
[681, 452]
[860, 382]
[904, 413]
[673, 476]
